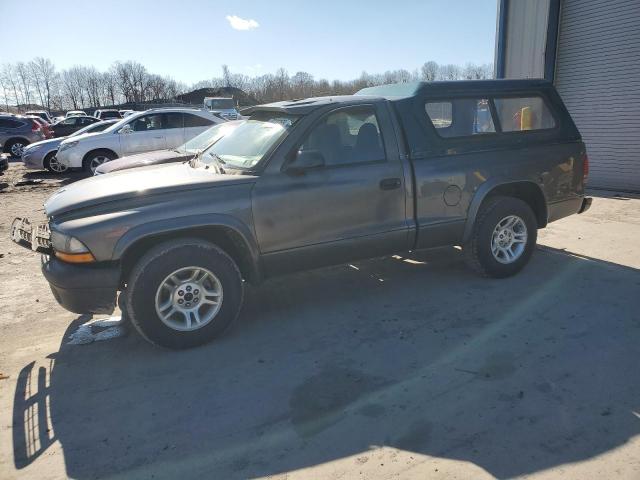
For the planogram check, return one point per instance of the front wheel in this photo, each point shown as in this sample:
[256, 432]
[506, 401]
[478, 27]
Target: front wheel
[503, 237]
[52, 164]
[183, 293]
[95, 159]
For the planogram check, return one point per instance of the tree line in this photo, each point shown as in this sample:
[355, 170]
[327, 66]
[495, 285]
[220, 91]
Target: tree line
[38, 82]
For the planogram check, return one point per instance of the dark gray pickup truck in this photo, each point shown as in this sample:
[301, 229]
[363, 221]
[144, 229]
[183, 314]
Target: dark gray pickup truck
[315, 182]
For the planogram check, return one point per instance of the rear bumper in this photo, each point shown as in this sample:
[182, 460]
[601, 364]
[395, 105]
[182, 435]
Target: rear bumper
[564, 208]
[82, 288]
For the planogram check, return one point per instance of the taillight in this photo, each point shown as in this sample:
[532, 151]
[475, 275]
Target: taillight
[585, 167]
[34, 127]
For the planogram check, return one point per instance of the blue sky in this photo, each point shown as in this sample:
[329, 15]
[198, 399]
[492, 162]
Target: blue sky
[190, 39]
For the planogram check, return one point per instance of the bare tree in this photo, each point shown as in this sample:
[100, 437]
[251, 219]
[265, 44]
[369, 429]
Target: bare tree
[429, 71]
[449, 72]
[22, 71]
[43, 77]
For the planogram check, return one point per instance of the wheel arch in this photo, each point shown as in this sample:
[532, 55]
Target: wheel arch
[9, 141]
[525, 190]
[230, 234]
[94, 150]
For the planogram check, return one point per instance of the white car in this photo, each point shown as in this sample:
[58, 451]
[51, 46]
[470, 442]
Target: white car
[75, 113]
[156, 129]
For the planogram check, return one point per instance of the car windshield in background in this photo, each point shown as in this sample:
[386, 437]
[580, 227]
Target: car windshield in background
[110, 115]
[221, 104]
[245, 146]
[209, 136]
[93, 128]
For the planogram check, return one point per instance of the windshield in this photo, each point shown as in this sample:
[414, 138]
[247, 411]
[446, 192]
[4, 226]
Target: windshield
[220, 103]
[93, 128]
[209, 136]
[247, 144]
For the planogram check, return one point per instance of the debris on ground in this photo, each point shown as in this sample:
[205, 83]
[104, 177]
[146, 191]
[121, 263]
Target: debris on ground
[3, 376]
[98, 330]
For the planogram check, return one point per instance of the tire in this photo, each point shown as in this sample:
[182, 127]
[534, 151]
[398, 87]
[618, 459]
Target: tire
[96, 158]
[51, 164]
[15, 147]
[145, 294]
[491, 234]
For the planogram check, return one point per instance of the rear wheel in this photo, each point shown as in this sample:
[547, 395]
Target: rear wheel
[16, 147]
[52, 164]
[503, 238]
[94, 159]
[183, 293]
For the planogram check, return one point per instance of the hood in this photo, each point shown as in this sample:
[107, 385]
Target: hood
[82, 136]
[52, 142]
[138, 182]
[142, 160]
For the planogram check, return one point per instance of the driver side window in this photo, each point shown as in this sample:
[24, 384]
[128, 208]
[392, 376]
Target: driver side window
[147, 122]
[348, 136]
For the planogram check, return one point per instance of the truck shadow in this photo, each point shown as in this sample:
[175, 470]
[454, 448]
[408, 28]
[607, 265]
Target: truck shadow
[412, 353]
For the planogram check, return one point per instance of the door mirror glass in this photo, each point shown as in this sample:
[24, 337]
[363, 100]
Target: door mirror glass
[126, 129]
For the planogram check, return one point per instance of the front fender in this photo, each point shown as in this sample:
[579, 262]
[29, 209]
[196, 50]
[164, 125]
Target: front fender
[175, 225]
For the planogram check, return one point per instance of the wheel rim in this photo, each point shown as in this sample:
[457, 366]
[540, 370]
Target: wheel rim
[188, 299]
[56, 166]
[17, 149]
[509, 239]
[97, 161]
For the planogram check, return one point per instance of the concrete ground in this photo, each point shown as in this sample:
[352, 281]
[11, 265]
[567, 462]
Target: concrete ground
[403, 367]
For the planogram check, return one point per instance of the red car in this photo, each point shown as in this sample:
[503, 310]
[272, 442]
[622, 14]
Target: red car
[44, 126]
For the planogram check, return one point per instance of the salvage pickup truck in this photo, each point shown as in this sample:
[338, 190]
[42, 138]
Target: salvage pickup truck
[315, 182]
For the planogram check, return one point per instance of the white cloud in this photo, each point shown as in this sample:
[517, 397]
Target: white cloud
[238, 23]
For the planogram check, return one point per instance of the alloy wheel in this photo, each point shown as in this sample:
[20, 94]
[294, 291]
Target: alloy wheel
[188, 299]
[509, 239]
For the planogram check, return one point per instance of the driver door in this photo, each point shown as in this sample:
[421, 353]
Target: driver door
[147, 134]
[351, 205]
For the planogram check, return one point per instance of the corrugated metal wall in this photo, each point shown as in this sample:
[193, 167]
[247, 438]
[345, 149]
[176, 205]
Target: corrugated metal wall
[598, 76]
[526, 37]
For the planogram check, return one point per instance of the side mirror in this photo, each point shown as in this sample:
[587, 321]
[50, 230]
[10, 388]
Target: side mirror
[306, 160]
[126, 129]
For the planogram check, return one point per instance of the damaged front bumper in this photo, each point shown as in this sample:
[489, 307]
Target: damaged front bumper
[36, 238]
[78, 288]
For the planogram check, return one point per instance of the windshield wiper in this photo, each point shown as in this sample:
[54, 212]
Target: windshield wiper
[196, 159]
[217, 162]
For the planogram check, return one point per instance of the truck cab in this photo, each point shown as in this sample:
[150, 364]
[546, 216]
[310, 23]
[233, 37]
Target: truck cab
[223, 107]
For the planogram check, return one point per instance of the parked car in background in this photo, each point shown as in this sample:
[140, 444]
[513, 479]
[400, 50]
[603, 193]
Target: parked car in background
[224, 107]
[310, 183]
[42, 114]
[74, 113]
[46, 127]
[58, 119]
[126, 113]
[16, 132]
[196, 146]
[107, 114]
[71, 124]
[42, 155]
[155, 129]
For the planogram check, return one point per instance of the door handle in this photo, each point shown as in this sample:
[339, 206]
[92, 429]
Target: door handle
[158, 137]
[390, 183]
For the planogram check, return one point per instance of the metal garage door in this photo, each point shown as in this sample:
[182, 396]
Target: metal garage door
[598, 76]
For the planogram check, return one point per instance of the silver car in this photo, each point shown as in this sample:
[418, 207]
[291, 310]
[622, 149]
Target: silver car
[42, 155]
